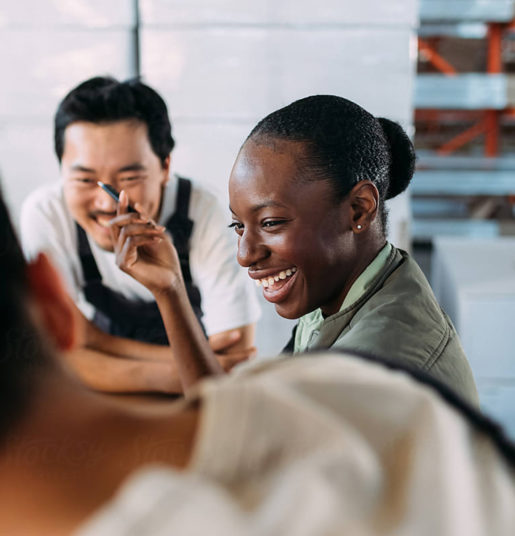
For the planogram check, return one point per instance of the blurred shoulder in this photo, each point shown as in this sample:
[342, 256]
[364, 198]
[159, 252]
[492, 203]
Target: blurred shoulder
[48, 197]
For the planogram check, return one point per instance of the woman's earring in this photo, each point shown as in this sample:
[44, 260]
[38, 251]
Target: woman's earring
[359, 227]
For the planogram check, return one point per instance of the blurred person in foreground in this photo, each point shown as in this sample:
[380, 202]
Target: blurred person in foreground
[119, 133]
[321, 444]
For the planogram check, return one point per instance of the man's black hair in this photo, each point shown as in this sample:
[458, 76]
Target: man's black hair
[105, 100]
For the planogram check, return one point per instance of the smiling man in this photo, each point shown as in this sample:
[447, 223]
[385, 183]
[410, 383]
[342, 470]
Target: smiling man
[120, 133]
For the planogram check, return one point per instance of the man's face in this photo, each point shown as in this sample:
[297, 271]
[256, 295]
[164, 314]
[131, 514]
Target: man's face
[118, 154]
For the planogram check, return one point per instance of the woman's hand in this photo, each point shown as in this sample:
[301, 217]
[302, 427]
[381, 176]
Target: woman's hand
[143, 249]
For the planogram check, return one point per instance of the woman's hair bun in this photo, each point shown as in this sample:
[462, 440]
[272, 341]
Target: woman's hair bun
[402, 157]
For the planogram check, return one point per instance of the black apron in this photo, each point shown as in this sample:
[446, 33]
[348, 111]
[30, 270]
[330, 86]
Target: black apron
[138, 319]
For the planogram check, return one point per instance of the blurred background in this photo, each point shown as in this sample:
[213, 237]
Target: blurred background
[444, 69]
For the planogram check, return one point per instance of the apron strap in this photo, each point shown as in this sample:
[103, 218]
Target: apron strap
[181, 227]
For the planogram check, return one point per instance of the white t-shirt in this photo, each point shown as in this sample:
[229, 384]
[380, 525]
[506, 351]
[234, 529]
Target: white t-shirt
[322, 445]
[228, 296]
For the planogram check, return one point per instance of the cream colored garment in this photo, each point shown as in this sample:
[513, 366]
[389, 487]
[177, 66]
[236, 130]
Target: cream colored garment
[329, 445]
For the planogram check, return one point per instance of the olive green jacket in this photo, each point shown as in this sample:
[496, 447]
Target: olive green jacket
[398, 318]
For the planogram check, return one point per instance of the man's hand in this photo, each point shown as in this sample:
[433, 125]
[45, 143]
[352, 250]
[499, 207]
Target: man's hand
[233, 346]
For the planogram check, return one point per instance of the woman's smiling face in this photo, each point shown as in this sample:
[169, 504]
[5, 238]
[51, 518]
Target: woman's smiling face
[294, 236]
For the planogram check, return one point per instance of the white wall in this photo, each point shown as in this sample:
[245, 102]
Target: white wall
[220, 65]
[478, 293]
[46, 48]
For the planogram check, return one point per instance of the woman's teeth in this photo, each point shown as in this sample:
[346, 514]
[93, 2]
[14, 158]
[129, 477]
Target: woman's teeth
[270, 281]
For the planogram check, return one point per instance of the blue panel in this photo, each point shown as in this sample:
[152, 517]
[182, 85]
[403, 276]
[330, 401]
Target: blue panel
[426, 229]
[469, 30]
[461, 92]
[429, 207]
[463, 182]
[482, 10]
[430, 160]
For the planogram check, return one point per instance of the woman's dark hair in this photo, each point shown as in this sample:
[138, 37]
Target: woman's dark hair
[105, 100]
[22, 350]
[344, 144]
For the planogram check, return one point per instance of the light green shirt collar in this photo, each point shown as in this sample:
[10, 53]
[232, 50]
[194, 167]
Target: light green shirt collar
[312, 321]
[366, 277]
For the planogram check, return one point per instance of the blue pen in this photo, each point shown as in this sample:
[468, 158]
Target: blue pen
[113, 193]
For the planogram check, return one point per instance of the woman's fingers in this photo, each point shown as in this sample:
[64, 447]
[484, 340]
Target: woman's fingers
[131, 231]
[120, 221]
[141, 211]
[127, 253]
[130, 223]
[143, 214]
[130, 228]
[123, 216]
[121, 209]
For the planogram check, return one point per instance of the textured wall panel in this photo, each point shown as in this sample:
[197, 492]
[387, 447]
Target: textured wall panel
[83, 13]
[211, 73]
[206, 152]
[43, 66]
[366, 12]
[246, 73]
[26, 159]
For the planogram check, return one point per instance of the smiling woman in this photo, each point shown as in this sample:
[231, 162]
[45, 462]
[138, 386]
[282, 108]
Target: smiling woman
[307, 195]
